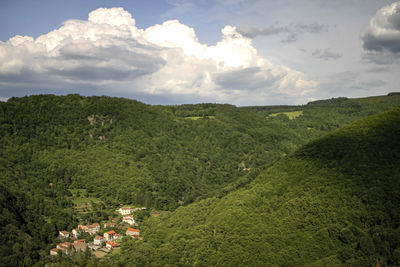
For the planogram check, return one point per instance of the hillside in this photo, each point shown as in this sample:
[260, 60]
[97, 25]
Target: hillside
[334, 202]
[70, 159]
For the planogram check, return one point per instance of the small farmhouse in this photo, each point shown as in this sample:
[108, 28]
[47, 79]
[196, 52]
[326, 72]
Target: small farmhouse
[132, 232]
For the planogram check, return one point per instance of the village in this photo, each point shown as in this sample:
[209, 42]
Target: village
[86, 238]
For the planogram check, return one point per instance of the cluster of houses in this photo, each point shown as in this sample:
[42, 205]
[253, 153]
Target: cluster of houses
[107, 240]
[126, 213]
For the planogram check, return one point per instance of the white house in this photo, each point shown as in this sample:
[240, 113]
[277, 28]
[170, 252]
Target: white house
[124, 210]
[75, 233]
[98, 240]
[128, 219]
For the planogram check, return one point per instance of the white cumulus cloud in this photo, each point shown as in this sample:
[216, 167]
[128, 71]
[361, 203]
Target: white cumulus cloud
[109, 53]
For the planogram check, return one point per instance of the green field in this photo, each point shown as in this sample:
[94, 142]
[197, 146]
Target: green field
[199, 117]
[291, 115]
[80, 197]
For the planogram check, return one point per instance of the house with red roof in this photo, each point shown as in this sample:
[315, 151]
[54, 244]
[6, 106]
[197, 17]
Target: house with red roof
[112, 244]
[108, 236]
[93, 228]
[65, 247]
[63, 234]
[132, 232]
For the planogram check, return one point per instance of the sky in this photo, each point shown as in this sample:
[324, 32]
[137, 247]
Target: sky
[241, 52]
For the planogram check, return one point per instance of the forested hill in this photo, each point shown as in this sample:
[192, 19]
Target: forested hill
[117, 150]
[334, 202]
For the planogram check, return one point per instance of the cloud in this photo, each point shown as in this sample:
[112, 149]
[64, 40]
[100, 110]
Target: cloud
[290, 31]
[326, 54]
[253, 32]
[373, 83]
[312, 28]
[383, 31]
[378, 69]
[381, 57]
[108, 54]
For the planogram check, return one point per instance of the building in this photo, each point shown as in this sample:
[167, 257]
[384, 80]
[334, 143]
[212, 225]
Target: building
[133, 232]
[128, 219]
[64, 247]
[124, 211]
[80, 245]
[108, 236]
[63, 234]
[75, 233]
[93, 228]
[111, 244]
[82, 227]
[109, 224]
[98, 240]
[54, 251]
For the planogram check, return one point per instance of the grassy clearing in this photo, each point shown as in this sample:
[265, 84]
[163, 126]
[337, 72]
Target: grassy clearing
[99, 254]
[85, 200]
[199, 117]
[82, 200]
[291, 115]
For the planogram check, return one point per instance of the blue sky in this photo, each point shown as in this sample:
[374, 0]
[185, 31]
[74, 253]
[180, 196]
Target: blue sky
[243, 52]
[41, 16]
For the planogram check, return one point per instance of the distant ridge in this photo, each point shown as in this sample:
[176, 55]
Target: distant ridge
[394, 93]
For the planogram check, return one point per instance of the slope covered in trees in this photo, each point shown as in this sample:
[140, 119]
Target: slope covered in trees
[333, 202]
[120, 150]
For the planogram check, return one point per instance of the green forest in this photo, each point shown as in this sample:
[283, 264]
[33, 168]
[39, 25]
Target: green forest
[314, 185]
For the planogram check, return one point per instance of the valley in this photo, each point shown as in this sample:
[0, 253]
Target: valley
[289, 185]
